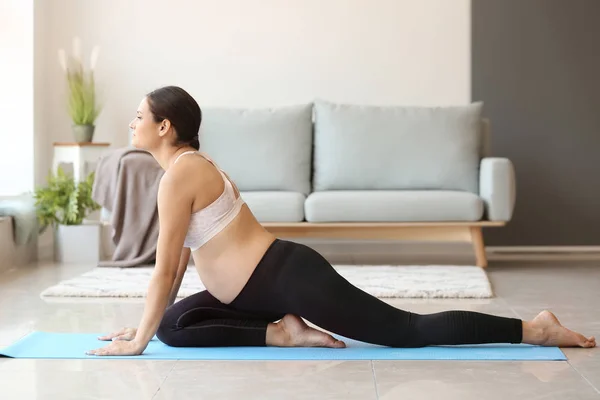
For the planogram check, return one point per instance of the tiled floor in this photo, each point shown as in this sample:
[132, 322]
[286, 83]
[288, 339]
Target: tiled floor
[570, 288]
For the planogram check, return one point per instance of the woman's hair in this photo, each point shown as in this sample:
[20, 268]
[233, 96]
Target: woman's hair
[176, 105]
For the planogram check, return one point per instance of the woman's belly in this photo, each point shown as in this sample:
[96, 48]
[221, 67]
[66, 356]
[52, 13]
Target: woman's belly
[227, 261]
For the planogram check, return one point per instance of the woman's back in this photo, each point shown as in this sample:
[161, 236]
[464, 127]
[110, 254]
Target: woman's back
[226, 240]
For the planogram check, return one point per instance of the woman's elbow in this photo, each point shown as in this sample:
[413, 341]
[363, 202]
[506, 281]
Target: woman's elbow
[166, 273]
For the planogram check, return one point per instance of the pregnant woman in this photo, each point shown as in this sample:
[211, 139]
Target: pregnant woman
[259, 288]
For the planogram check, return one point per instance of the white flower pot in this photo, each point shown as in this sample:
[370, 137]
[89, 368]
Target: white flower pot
[77, 243]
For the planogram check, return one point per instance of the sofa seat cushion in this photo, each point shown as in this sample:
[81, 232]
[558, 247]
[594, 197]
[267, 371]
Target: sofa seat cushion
[393, 206]
[272, 206]
[262, 149]
[397, 148]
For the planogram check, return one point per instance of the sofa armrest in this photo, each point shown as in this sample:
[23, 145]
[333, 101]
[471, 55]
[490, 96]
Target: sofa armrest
[497, 188]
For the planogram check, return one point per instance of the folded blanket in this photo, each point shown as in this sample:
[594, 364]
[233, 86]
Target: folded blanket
[126, 184]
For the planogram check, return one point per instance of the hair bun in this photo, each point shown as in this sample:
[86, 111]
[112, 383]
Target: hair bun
[195, 143]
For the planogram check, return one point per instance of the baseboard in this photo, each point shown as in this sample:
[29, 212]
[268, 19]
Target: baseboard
[543, 253]
[542, 249]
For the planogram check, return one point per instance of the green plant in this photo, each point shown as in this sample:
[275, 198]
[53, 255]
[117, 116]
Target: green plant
[81, 98]
[64, 201]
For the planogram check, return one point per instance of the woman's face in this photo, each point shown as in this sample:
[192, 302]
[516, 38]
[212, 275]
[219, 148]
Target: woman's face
[146, 134]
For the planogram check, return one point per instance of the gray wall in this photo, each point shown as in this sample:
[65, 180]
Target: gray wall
[536, 65]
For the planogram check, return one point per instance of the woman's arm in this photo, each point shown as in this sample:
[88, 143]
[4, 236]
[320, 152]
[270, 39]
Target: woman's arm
[174, 209]
[183, 263]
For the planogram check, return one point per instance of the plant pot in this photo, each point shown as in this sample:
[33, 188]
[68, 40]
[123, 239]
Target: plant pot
[77, 243]
[83, 133]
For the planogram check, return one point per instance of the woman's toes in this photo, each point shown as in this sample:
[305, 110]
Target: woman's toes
[333, 342]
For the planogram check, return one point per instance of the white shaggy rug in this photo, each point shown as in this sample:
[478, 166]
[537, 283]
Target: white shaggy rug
[428, 281]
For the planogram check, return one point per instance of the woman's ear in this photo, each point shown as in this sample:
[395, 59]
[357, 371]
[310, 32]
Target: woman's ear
[164, 127]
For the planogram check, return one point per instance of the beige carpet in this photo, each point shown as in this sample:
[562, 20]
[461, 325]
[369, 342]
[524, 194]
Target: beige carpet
[384, 281]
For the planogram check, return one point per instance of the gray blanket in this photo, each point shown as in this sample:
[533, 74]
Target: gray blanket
[126, 184]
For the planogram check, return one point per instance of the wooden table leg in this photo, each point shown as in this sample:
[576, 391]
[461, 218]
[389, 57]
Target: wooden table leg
[478, 246]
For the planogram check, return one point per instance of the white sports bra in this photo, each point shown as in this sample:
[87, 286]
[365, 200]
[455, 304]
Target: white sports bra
[209, 221]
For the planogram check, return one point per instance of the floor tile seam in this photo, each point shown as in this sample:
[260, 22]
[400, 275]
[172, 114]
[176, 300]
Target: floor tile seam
[160, 385]
[374, 380]
[583, 377]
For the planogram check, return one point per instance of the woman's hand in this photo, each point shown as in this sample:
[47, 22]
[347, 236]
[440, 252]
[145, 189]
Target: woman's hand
[123, 334]
[119, 348]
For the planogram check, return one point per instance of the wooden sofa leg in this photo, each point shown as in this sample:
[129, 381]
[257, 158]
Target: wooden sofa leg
[478, 246]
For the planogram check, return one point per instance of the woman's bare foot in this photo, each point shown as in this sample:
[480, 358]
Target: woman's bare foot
[292, 331]
[546, 330]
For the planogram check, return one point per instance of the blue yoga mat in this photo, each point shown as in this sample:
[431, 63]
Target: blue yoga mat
[74, 346]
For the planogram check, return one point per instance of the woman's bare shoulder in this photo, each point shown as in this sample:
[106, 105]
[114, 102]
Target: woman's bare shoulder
[187, 170]
[197, 179]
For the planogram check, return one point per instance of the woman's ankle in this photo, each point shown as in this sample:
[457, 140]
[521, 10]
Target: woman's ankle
[276, 336]
[532, 334]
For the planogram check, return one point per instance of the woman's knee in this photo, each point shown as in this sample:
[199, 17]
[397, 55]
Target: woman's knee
[408, 333]
[416, 333]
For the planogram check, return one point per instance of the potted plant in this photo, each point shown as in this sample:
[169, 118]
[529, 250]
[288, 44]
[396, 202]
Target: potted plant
[63, 204]
[81, 96]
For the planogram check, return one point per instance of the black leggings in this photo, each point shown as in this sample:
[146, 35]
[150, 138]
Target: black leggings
[293, 278]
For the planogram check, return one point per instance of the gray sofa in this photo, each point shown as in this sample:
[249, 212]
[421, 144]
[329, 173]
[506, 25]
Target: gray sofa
[303, 169]
[372, 172]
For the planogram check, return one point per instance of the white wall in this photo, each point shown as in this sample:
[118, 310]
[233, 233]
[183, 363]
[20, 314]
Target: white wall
[258, 53]
[43, 66]
[16, 97]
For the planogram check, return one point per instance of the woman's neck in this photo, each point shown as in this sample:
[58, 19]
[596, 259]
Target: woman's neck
[166, 156]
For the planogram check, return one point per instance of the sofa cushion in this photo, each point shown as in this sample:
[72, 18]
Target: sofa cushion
[276, 206]
[392, 206]
[395, 148]
[261, 149]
